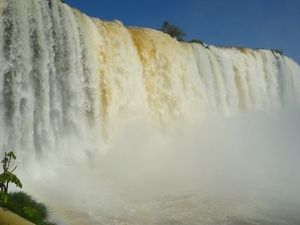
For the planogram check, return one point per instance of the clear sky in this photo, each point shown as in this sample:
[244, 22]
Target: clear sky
[269, 24]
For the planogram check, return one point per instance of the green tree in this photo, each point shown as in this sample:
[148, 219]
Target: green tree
[7, 177]
[196, 41]
[173, 31]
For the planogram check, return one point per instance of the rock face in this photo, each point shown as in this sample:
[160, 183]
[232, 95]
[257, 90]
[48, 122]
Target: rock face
[9, 218]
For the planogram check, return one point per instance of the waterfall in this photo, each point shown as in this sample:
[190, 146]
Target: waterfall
[63, 72]
[69, 81]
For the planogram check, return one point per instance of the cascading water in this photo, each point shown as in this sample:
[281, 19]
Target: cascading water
[125, 125]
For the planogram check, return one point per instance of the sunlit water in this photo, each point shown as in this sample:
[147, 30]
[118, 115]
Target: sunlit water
[125, 125]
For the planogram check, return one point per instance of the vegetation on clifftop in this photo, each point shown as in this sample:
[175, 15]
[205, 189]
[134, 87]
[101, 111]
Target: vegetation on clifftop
[173, 31]
[176, 32]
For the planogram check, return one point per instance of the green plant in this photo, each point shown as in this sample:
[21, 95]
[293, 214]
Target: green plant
[19, 202]
[7, 177]
[29, 212]
[196, 41]
[173, 31]
[24, 205]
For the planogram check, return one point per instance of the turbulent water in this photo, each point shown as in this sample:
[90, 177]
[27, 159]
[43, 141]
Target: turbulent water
[125, 125]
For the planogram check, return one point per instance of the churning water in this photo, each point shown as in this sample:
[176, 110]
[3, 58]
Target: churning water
[125, 125]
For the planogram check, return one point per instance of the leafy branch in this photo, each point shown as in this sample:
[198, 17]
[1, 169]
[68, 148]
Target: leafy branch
[7, 177]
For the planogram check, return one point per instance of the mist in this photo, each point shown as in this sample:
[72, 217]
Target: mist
[248, 164]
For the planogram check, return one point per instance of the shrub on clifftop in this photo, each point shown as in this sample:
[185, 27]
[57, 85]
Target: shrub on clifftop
[173, 31]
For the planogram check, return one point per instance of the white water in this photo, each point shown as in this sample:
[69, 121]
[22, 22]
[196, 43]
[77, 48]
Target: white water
[124, 125]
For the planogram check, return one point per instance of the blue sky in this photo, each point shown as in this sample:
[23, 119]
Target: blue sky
[270, 24]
